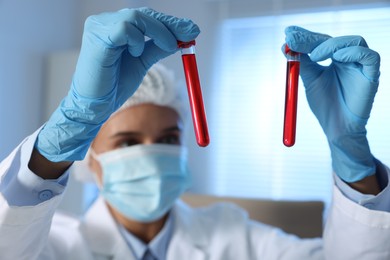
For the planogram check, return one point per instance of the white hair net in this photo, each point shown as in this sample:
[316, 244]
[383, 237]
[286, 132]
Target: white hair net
[158, 87]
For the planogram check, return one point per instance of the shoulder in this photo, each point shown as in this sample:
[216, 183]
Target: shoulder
[221, 228]
[226, 209]
[211, 219]
[216, 218]
[226, 230]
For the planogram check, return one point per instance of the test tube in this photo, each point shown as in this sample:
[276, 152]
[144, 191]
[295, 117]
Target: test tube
[194, 92]
[291, 101]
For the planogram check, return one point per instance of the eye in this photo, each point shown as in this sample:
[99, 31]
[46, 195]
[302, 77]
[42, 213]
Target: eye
[169, 139]
[128, 142]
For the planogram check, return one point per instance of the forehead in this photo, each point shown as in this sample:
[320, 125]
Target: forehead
[146, 118]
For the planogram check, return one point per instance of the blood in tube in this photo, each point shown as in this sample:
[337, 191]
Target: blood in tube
[194, 92]
[291, 101]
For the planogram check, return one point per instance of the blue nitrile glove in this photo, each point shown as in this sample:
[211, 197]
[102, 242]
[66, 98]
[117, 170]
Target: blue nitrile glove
[113, 60]
[340, 95]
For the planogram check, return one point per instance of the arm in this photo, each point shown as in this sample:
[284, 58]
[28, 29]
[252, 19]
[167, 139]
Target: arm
[113, 60]
[341, 96]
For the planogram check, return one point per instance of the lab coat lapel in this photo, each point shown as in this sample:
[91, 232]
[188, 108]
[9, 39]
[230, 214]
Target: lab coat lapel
[189, 241]
[102, 234]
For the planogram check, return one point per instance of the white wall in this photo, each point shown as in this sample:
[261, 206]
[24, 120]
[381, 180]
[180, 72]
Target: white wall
[29, 30]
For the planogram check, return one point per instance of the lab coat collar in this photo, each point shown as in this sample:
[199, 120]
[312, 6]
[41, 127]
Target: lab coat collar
[102, 233]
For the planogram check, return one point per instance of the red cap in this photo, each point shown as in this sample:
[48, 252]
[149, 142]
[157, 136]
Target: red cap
[181, 44]
[287, 50]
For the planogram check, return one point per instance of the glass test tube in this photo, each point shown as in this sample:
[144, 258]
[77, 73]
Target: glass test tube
[194, 92]
[291, 101]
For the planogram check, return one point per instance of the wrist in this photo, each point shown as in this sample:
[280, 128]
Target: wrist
[46, 169]
[74, 124]
[368, 185]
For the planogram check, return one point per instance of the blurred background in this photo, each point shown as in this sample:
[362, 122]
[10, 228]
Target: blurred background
[242, 72]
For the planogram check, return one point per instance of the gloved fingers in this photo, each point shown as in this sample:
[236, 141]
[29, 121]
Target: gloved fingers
[369, 59]
[302, 40]
[134, 26]
[119, 36]
[309, 69]
[128, 27]
[152, 54]
[184, 30]
[130, 79]
[326, 49]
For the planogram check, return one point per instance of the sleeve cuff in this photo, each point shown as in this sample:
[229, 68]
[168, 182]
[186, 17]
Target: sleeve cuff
[379, 202]
[21, 187]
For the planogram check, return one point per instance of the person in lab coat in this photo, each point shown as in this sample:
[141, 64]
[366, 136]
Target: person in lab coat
[134, 140]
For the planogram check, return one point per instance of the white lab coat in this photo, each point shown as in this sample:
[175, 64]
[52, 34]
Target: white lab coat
[221, 231]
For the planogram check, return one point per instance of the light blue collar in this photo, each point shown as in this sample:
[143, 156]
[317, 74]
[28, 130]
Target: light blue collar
[158, 246]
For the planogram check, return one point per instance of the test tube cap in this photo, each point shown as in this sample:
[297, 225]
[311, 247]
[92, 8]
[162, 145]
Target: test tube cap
[288, 51]
[181, 44]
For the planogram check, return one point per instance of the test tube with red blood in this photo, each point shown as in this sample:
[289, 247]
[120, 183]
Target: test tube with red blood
[194, 92]
[291, 101]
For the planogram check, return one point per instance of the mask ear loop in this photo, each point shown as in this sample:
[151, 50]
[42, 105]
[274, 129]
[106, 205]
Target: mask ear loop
[99, 183]
[93, 154]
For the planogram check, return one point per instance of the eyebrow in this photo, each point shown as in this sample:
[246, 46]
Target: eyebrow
[166, 130]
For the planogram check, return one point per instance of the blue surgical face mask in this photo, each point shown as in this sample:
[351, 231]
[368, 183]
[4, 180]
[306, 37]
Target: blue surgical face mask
[143, 181]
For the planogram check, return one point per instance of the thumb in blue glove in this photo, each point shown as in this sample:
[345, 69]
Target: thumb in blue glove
[340, 95]
[113, 60]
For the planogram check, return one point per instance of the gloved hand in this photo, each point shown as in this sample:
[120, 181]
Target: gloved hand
[113, 60]
[340, 95]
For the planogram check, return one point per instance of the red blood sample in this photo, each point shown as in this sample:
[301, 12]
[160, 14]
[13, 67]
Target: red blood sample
[195, 94]
[291, 101]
